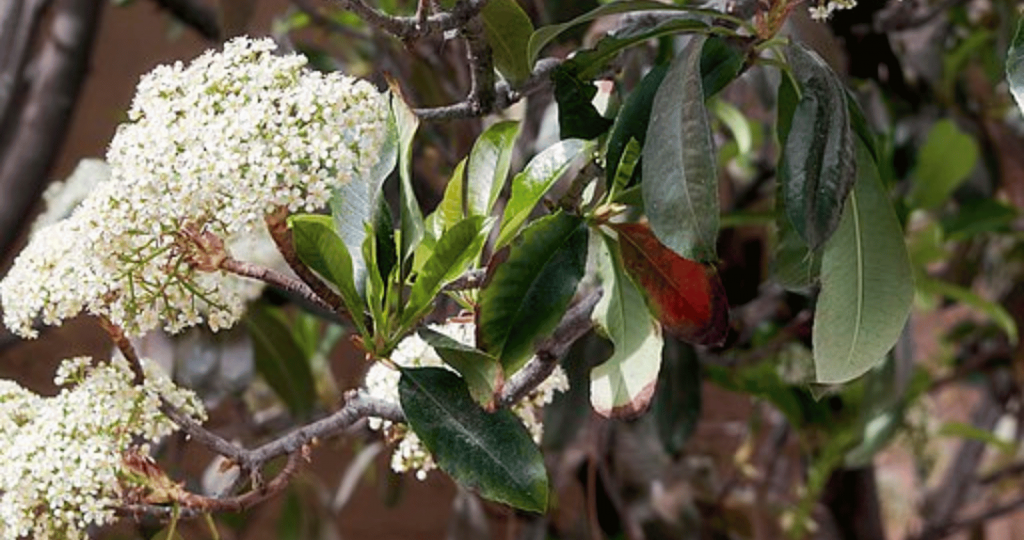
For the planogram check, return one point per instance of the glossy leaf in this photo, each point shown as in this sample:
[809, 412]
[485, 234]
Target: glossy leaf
[384, 239]
[623, 386]
[529, 286]
[945, 160]
[451, 208]
[452, 255]
[482, 372]
[1014, 65]
[321, 249]
[577, 116]
[491, 453]
[590, 63]
[489, 163]
[796, 266]
[820, 166]
[628, 161]
[680, 186]
[546, 34]
[677, 400]
[686, 296]
[412, 226]
[530, 186]
[720, 63]
[508, 30]
[353, 204]
[866, 283]
[631, 122]
[280, 359]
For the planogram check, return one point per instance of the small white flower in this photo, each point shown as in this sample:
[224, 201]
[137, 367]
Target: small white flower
[381, 382]
[211, 147]
[61, 469]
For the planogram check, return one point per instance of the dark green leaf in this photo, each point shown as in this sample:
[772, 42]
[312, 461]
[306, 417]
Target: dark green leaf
[677, 402]
[819, 151]
[867, 284]
[321, 249]
[577, 116]
[720, 64]
[489, 163]
[629, 159]
[631, 122]
[529, 186]
[481, 371]
[529, 287]
[491, 453]
[796, 265]
[546, 34]
[353, 204]
[680, 185]
[508, 33]
[977, 216]
[589, 63]
[452, 255]
[384, 236]
[280, 359]
[1014, 65]
[623, 386]
[947, 157]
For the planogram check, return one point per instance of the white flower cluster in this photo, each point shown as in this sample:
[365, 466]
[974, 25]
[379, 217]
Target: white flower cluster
[61, 462]
[211, 147]
[822, 11]
[382, 383]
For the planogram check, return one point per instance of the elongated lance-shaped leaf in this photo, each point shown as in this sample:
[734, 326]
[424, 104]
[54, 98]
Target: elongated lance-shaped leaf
[491, 453]
[453, 253]
[406, 123]
[281, 360]
[796, 266]
[1015, 66]
[353, 204]
[321, 249]
[481, 371]
[528, 288]
[508, 30]
[631, 122]
[867, 284]
[819, 150]
[680, 186]
[529, 186]
[590, 63]
[622, 387]
[488, 167]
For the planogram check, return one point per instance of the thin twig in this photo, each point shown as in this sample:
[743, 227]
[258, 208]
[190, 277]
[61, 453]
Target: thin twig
[504, 96]
[416, 27]
[573, 326]
[481, 66]
[124, 345]
[274, 278]
[278, 228]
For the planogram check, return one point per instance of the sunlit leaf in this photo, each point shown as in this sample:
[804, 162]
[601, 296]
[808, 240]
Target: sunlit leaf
[686, 296]
[680, 185]
[530, 186]
[321, 249]
[410, 215]
[508, 30]
[529, 286]
[481, 371]
[1014, 65]
[491, 453]
[452, 255]
[866, 283]
[488, 167]
[623, 386]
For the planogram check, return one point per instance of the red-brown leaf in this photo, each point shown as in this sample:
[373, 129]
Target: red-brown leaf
[686, 296]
